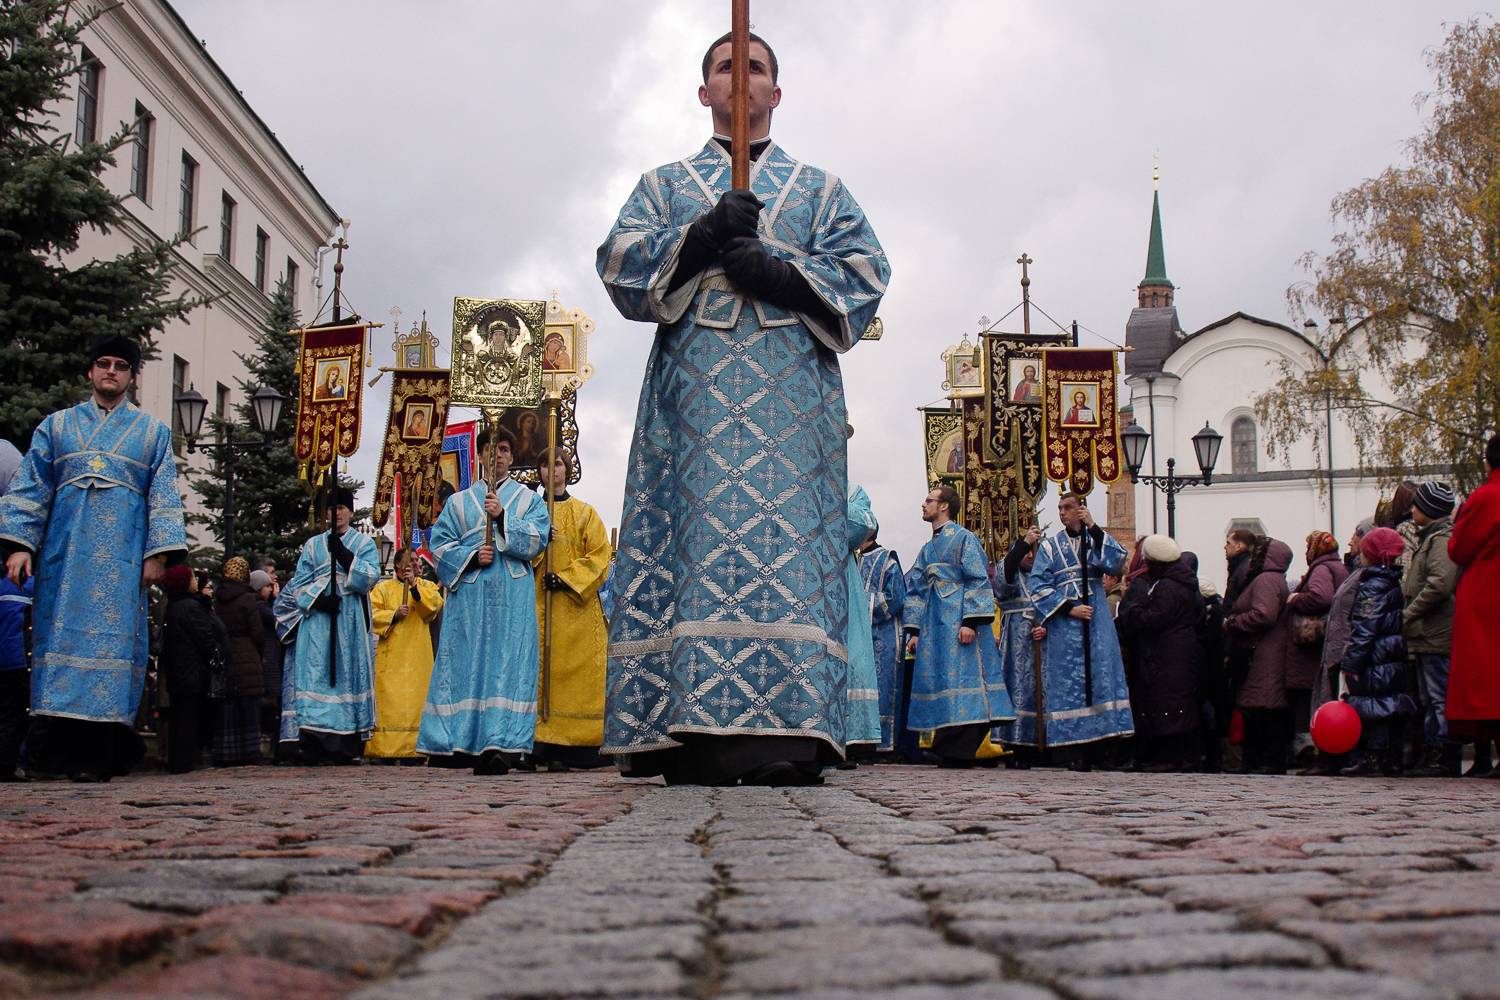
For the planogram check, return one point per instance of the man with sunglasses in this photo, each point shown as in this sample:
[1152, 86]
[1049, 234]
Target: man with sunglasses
[95, 514]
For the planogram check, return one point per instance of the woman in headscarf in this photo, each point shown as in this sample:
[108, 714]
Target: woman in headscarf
[1257, 622]
[237, 736]
[1307, 610]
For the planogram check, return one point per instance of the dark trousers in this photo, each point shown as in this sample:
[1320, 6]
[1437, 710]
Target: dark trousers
[15, 699]
[959, 744]
[189, 728]
[906, 743]
[1268, 737]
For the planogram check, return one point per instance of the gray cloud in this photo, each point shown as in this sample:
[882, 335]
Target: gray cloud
[484, 148]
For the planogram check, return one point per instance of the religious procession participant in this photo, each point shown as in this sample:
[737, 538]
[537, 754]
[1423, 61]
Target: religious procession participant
[885, 584]
[958, 687]
[288, 618]
[574, 727]
[728, 576]
[400, 610]
[95, 498]
[482, 699]
[1019, 638]
[1086, 697]
[334, 697]
[864, 686]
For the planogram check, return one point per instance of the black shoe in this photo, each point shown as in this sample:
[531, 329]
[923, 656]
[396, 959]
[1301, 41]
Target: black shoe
[1480, 769]
[89, 778]
[1365, 767]
[554, 767]
[491, 763]
[783, 774]
[526, 762]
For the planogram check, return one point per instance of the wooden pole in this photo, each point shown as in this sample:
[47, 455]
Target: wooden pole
[1040, 702]
[739, 107]
[492, 424]
[545, 708]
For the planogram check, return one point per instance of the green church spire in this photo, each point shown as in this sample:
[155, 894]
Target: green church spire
[1156, 258]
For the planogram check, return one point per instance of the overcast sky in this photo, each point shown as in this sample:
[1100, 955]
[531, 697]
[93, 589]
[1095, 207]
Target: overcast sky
[483, 148]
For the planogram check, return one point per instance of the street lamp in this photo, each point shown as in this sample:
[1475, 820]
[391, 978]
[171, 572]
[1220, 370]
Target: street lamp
[386, 546]
[1206, 443]
[265, 405]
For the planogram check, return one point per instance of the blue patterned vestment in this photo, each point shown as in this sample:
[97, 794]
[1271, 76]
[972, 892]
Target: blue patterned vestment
[1076, 713]
[1017, 656]
[96, 495]
[947, 587]
[288, 617]
[864, 683]
[730, 595]
[881, 570]
[484, 677]
[348, 704]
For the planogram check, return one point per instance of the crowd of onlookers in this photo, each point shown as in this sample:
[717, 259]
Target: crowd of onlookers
[1373, 625]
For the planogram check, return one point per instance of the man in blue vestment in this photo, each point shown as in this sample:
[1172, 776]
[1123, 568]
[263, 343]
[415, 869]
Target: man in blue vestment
[481, 702]
[1084, 675]
[863, 733]
[728, 643]
[333, 658]
[94, 511]
[1020, 636]
[957, 688]
[880, 569]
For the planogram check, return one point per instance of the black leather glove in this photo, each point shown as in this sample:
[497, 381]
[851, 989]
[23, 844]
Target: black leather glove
[553, 582]
[339, 550]
[737, 213]
[327, 603]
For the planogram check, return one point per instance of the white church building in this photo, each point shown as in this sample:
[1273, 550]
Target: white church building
[1177, 382]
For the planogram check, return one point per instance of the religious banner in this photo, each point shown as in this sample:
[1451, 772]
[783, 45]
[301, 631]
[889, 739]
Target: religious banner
[963, 370]
[455, 474]
[943, 444]
[993, 508]
[413, 445]
[529, 427]
[1080, 417]
[328, 393]
[497, 352]
[1012, 437]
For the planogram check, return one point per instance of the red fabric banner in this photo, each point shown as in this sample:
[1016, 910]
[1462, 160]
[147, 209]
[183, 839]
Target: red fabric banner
[1080, 417]
[328, 393]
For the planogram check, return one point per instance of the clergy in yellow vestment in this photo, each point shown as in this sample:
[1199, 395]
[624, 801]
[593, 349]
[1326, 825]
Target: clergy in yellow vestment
[401, 610]
[580, 562]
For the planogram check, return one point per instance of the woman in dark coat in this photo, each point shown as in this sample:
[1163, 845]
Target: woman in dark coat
[192, 639]
[1312, 597]
[1257, 622]
[1374, 664]
[1162, 619]
[237, 738]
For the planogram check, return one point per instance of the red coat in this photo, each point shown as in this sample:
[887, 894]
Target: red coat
[1474, 676]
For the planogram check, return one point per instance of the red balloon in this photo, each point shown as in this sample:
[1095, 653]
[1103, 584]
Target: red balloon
[1335, 727]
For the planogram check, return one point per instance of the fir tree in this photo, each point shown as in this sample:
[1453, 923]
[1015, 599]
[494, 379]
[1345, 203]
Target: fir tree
[271, 504]
[50, 190]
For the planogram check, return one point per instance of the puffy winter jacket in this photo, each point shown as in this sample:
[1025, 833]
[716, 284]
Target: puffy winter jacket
[15, 610]
[1376, 657]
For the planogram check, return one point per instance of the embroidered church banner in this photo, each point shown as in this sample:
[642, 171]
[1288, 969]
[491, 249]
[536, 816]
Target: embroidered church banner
[455, 470]
[1012, 437]
[328, 393]
[413, 446]
[1080, 417]
[529, 426]
[943, 443]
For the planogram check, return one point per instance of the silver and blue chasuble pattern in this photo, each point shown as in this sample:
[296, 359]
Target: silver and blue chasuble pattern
[864, 685]
[1017, 658]
[484, 678]
[886, 586]
[953, 684]
[1076, 713]
[729, 588]
[348, 704]
[96, 495]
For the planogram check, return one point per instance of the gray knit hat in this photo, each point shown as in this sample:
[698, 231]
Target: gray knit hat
[1434, 499]
[259, 578]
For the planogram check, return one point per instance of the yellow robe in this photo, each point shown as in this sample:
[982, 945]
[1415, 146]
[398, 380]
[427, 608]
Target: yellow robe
[403, 666]
[580, 556]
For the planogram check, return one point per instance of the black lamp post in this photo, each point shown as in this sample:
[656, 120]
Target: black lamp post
[1206, 442]
[385, 546]
[265, 404]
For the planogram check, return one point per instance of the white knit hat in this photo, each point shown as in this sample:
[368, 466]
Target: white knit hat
[1160, 549]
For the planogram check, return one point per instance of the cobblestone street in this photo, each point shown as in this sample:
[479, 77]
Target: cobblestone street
[889, 881]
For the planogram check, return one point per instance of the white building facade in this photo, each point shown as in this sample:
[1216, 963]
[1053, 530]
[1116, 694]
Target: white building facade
[202, 161]
[1177, 382]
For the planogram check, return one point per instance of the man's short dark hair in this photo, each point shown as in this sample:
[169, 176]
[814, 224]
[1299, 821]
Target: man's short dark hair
[948, 497]
[1492, 452]
[708, 57]
[1082, 499]
[482, 442]
[1244, 536]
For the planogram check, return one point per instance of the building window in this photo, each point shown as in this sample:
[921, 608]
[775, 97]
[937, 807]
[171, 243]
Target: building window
[89, 74]
[226, 227]
[140, 155]
[185, 210]
[1242, 445]
[179, 383]
[291, 279]
[262, 250]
